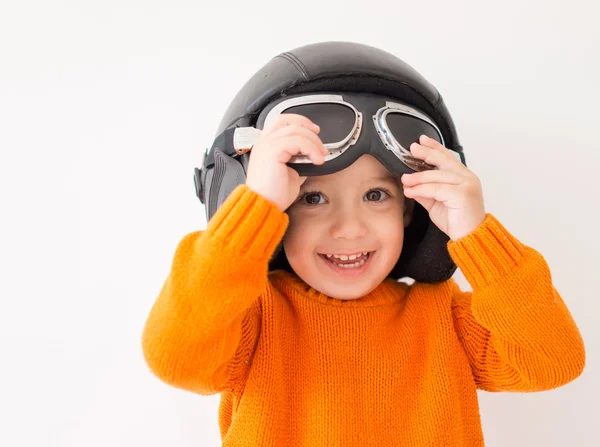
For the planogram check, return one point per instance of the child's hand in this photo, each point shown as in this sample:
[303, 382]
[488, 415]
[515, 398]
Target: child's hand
[451, 194]
[268, 175]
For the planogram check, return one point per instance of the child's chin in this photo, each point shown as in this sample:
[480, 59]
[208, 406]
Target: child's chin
[347, 298]
[347, 292]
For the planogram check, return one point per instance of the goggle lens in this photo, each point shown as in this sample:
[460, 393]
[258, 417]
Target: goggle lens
[407, 129]
[336, 121]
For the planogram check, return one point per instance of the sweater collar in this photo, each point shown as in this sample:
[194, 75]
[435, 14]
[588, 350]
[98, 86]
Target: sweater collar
[387, 293]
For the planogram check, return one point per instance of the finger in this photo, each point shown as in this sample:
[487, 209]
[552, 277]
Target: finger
[294, 129]
[434, 144]
[440, 192]
[432, 176]
[431, 142]
[286, 119]
[298, 145]
[438, 158]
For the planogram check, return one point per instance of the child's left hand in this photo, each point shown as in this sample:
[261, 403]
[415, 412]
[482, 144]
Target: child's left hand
[451, 194]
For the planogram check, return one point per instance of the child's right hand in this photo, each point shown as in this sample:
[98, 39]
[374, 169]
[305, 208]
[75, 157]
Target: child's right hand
[268, 174]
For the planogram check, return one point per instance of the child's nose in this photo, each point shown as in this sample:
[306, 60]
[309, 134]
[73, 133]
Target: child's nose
[348, 225]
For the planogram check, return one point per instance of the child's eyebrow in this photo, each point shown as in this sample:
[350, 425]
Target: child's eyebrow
[387, 178]
[390, 179]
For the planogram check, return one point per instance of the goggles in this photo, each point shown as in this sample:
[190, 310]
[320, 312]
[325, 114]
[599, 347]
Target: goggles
[343, 130]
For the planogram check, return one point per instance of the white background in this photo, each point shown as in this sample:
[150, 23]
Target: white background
[104, 109]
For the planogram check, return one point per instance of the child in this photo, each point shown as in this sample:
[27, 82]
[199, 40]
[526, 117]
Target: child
[289, 303]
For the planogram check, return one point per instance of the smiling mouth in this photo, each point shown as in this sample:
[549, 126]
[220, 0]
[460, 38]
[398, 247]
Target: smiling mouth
[345, 261]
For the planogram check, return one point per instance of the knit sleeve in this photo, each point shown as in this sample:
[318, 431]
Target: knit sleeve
[202, 330]
[514, 327]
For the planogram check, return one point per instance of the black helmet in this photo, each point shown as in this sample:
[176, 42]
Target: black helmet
[335, 67]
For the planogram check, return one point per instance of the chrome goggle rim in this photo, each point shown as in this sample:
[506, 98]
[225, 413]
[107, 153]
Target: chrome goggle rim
[335, 149]
[390, 142]
[244, 137]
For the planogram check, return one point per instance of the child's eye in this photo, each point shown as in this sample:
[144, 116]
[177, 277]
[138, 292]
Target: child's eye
[312, 198]
[377, 195]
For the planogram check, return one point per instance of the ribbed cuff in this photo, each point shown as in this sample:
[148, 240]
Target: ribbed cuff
[486, 254]
[248, 223]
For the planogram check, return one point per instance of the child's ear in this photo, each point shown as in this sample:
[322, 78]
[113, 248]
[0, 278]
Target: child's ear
[409, 207]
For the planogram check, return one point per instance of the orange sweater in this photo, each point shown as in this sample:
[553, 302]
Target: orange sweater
[398, 367]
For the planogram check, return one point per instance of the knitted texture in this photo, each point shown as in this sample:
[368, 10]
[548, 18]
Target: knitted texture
[397, 367]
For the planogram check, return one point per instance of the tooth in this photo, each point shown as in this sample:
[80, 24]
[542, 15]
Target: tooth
[352, 257]
[343, 257]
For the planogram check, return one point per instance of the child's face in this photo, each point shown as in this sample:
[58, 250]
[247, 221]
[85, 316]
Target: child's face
[351, 214]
